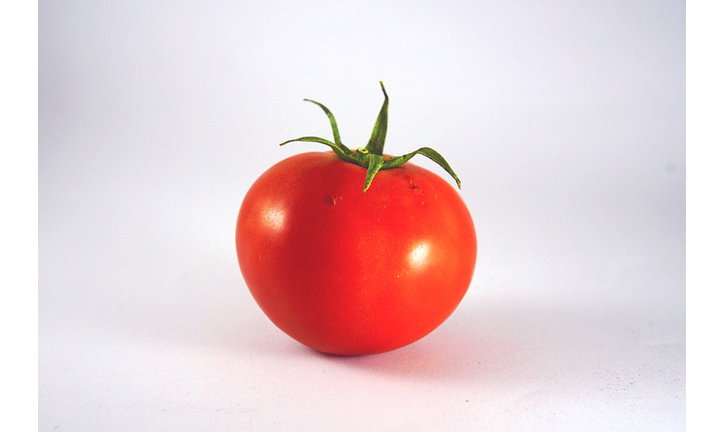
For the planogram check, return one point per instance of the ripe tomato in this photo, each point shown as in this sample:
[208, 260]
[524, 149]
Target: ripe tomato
[350, 271]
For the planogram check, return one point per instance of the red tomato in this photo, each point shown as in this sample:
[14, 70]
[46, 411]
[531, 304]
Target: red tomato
[348, 271]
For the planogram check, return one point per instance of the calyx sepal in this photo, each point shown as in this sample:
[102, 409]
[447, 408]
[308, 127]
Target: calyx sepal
[371, 156]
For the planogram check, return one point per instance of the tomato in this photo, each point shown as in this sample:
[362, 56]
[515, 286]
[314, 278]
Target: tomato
[348, 270]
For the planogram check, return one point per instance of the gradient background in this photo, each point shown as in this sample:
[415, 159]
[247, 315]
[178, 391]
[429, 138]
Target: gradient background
[565, 121]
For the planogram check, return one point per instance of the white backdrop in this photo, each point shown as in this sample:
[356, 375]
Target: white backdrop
[565, 121]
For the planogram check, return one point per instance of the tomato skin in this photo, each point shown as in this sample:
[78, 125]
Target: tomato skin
[347, 272]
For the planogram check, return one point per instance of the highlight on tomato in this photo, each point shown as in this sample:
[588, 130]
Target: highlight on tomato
[355, 252]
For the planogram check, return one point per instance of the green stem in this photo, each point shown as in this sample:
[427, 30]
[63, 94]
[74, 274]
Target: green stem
[371, 157]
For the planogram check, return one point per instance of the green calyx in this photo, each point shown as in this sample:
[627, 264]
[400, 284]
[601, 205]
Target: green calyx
[371, 156]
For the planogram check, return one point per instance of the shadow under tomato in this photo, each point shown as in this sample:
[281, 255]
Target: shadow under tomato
[466, 347]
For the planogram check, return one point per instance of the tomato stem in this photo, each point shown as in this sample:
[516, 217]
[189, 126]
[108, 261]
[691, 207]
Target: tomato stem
[371, 157]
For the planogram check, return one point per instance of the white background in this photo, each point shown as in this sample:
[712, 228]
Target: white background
[564, 120]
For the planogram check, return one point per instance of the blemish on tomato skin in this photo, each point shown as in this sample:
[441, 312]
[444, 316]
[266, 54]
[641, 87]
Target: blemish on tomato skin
[332, 199]
[415, 187]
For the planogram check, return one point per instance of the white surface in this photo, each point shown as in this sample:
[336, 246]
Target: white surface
[566, 124]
